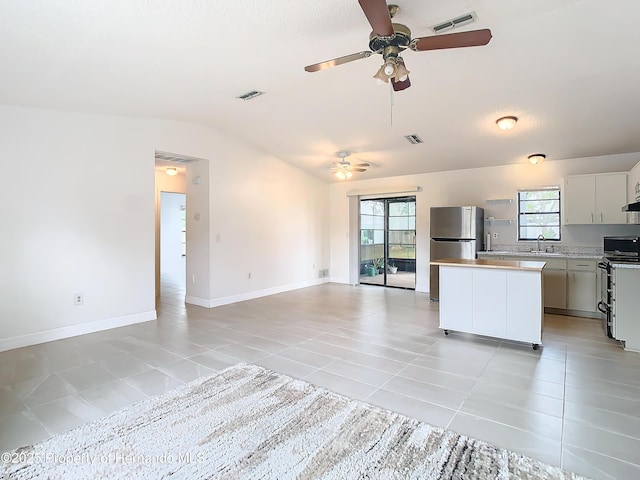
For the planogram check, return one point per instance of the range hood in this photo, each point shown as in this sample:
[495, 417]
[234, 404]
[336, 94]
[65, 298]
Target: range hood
[632, 207]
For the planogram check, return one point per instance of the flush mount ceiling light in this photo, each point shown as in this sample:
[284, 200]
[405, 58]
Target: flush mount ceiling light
[536, 158]
[507, 123]
[171, 171]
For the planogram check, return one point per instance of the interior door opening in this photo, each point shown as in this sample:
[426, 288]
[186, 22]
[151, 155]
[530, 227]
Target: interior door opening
[388, 242]
[173, 242]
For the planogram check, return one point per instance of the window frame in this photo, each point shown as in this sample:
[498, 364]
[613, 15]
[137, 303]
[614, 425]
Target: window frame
[558, 213]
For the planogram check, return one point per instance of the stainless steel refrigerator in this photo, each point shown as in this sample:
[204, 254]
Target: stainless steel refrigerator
[456, 232]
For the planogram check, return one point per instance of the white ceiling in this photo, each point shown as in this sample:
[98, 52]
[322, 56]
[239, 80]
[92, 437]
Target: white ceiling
[570, 70]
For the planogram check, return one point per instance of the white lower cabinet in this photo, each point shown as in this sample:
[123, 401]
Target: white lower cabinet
[457, 312]
[521, 287]
[489, 302]
[500, 303]
[555, 288]
[582, 293]
[569, 284]
[555, 280]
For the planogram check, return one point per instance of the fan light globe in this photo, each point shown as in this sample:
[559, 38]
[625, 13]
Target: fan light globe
[348, 174]
[380, 76]
[389, 69]
[341, 175]
[402, 73]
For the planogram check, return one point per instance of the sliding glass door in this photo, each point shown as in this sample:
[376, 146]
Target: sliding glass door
[387, 242]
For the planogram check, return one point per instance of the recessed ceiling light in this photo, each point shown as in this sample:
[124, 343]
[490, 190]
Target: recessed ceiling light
[507, 123]
[536, 158]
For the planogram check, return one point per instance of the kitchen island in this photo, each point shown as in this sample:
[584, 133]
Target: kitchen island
[496, 298]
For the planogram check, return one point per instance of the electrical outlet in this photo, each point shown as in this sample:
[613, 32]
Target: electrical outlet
[249, 275]
[496, 234]
[78, 299]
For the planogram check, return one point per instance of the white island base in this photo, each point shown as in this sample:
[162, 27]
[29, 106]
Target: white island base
[496, 298]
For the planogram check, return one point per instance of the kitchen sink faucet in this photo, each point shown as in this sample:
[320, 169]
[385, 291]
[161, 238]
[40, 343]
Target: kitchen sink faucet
[540, 237]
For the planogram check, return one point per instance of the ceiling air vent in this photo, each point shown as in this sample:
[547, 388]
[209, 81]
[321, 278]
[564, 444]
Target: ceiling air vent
[250, 95]
[413, 138]
[455, 22]
[171, 157]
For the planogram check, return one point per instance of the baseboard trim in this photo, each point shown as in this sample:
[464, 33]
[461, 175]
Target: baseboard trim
[573, 313]
[74, 330]
[241, 297]
[200, 302]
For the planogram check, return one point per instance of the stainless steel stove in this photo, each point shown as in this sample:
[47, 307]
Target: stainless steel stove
[619, 280]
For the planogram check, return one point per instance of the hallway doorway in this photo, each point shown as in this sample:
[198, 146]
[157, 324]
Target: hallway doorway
[173, 243]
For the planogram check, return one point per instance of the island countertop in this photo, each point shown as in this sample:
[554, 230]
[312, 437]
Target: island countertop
[491, 263]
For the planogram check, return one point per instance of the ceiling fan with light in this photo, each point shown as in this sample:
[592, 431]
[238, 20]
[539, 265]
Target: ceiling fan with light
[344, 169]
[390, 39]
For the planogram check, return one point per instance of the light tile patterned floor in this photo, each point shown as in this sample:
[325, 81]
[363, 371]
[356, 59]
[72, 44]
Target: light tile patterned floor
[574, 403]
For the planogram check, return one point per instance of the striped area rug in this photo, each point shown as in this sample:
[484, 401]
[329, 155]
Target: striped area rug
[249, 422]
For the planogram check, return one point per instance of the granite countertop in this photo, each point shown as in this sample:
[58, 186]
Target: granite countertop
[491, 263]
[566, 255]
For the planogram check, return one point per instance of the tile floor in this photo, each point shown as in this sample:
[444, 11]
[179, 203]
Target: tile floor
[575, 403]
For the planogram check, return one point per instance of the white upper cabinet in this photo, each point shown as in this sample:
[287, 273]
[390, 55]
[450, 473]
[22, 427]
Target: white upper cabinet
[611, 196]
[579, 199]
[595, 199]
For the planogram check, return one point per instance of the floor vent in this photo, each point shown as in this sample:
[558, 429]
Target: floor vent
[250, 95]
[455, 22]
[413, 139]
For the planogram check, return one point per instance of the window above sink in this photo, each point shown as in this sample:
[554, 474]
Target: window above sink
[539, 216]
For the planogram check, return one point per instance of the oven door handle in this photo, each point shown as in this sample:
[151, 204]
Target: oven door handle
[604, 308]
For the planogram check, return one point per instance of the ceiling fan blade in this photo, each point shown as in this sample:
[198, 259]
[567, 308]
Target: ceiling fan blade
[362, 165]
[377, 13]
[475, 38]
[337, 61]
[399, 86]
[358, 169]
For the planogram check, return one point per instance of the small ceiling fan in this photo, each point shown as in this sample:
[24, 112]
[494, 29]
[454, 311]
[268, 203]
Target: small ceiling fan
[344, 169]
[390, 39]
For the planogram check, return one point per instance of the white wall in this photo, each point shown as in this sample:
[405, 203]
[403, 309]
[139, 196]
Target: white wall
[473, 187]
[78, 217]
[268, 219]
